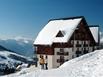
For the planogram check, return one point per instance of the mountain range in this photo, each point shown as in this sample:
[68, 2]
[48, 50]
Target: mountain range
[22, 46]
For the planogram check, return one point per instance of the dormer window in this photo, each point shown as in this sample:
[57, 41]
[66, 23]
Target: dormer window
[60, 34]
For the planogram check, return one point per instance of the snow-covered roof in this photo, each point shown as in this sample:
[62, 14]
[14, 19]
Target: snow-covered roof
[95, 32]
[47, 35]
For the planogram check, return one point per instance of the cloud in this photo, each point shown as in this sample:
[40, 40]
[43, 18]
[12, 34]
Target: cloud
[22, 38]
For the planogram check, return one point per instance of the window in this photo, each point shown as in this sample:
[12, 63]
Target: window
[77, 41]
[61, 60]
[85, 51]
[62, 52]
[72, 56]
[62, 57]
[78, 53]
[82, 49]
[60, 34]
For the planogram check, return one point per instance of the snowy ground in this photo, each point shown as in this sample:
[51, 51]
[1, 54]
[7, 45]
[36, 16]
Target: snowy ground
[89, 65]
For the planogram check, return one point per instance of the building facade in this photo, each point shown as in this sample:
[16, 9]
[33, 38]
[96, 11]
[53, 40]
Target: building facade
[64, 39]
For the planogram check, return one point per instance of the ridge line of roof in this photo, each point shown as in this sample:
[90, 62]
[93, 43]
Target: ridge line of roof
[66, 18]
[93, 25]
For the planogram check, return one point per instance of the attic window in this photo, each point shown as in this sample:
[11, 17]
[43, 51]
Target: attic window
[60, 34]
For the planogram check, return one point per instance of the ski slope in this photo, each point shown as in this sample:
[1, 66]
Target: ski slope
[89, 65]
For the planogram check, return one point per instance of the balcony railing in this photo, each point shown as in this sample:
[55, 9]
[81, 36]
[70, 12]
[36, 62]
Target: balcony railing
[78, 45]
[63, 53]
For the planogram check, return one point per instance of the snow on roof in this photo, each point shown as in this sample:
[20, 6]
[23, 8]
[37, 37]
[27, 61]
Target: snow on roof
[94, 30]
[48, 34]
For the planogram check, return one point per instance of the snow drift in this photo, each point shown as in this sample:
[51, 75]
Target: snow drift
[89, 65]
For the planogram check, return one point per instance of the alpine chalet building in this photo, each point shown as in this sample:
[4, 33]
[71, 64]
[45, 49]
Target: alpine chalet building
[66, 38]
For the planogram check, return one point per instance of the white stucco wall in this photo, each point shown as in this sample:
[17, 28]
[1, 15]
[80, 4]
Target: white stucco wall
[50, 61]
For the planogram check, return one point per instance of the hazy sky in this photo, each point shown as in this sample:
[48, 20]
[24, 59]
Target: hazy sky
[27, 17]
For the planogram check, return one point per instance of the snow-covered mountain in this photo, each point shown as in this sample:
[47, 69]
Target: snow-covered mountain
[89, 65]
[10, 60]
[19, 45]
[6, 56]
